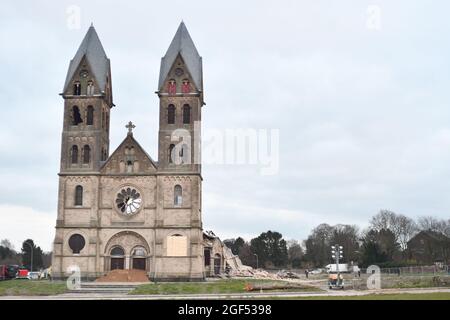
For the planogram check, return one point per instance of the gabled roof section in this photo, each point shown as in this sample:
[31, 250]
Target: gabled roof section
[92, 49]
[147, 163]
[182, 44]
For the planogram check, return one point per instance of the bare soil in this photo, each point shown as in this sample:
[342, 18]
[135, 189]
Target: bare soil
[124, 276]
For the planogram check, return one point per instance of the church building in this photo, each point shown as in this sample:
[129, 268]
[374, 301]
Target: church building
[123, 209]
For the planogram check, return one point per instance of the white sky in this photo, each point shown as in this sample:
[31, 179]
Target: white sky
[362, 105]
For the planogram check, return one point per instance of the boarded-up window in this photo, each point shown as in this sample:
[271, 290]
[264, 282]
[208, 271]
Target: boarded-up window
[177, 246]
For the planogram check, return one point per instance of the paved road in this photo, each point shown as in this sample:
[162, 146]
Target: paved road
[94, 296]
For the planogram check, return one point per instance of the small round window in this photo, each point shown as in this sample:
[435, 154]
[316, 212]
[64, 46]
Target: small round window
[76, 243]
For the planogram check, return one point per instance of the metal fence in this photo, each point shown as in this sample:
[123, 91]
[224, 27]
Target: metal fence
[415, 270]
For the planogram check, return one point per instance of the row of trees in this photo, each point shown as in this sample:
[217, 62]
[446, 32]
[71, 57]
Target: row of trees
[385, 242]
[8, 255]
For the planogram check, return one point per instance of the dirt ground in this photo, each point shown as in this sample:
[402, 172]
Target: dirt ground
[124, 276]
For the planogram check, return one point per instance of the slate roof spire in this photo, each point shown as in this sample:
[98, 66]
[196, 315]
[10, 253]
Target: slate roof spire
[92, 49]
[182, 44]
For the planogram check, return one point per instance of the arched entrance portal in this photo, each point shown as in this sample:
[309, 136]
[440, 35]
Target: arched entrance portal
[127, 250]
[117, 258]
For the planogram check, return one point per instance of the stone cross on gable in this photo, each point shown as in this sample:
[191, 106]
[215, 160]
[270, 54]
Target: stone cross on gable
[130, 126]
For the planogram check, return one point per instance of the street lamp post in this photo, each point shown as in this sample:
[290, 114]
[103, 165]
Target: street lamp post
[31, 267]
[256, 260]
[336, 254]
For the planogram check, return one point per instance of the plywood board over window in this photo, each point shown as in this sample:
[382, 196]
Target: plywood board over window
[177, 246]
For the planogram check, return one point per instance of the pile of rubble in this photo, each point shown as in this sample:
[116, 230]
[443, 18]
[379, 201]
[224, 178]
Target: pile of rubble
[124, 276]
[283, 274]
[235, 268]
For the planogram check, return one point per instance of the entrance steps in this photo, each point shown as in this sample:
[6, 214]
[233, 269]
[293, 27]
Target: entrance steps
[114, 282]
[105, 288]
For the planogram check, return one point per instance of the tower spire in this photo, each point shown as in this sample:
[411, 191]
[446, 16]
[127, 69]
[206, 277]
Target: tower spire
[183, 45]
[90, 48]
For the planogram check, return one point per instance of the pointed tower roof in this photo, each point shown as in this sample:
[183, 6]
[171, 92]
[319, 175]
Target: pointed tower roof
[182, 44]
[92, 49]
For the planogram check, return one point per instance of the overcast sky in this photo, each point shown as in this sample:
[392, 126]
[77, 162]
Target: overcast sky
[359, 91]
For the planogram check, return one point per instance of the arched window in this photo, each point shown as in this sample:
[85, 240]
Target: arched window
[184, 154]
[139, 252]
[76, 89]
[186, 114]
[170, 151]
[172, 86]
[78, 195]
[90, 116]
[74, 154]
[90, 88]
[177, 246]
[86, 154]
[171, 114]
[185, 87]
[178, 195]
[76, 116]
[117, 252]
[76, 243]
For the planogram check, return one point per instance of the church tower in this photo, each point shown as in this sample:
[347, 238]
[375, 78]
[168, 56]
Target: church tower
[87, 103]
[180, 91]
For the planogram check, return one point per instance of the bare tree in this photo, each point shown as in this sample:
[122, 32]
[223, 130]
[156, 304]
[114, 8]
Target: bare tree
[401, 226]
[405, 230]
[295, 253]
[383, 220]
[434, 224]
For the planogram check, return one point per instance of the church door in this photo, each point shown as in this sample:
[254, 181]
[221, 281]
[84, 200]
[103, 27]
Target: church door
[139, 263]
[117, 263]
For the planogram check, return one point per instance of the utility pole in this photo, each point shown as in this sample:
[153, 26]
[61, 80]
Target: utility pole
[256, 260]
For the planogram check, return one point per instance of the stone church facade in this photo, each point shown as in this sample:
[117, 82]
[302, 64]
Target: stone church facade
[124, 210]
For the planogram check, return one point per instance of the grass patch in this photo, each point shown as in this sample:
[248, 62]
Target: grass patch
[416, 282]
[214, 287]
[399, 296]
[31, 288]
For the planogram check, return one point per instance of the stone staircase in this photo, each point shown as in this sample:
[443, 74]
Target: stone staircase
[118, 282]
[104, 288]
